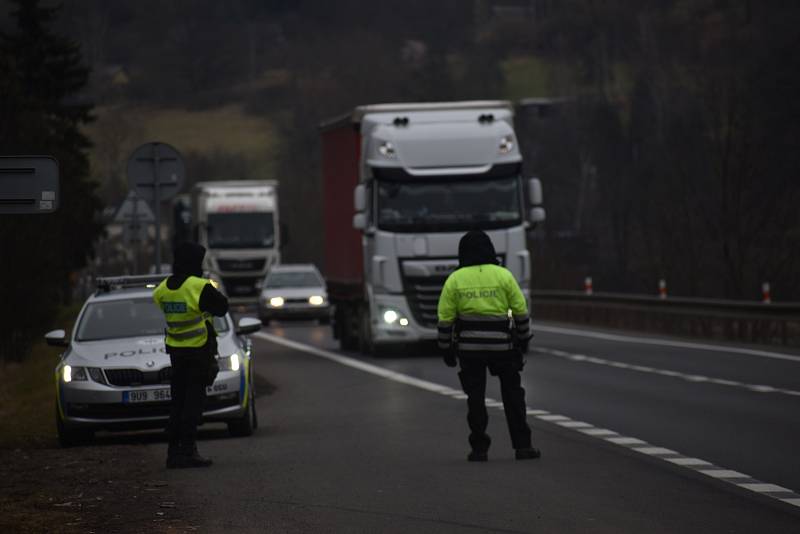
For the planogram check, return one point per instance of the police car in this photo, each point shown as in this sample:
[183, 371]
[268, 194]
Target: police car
[115, 372]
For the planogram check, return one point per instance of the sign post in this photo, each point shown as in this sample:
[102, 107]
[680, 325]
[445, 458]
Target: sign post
[156, 172]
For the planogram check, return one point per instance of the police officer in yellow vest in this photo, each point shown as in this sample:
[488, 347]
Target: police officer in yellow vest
[189, 302]
[475, 330]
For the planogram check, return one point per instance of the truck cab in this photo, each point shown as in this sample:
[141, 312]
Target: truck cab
[427, 173]
[237, 222]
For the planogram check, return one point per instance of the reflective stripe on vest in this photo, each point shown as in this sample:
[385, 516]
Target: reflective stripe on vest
[181, 309]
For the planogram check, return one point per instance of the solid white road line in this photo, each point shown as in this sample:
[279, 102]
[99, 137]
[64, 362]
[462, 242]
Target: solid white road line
[734, 478]
[582, 358]
[666, 343]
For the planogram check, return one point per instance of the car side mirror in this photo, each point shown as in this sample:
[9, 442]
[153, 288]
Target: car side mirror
[248, 325]
[56, 338]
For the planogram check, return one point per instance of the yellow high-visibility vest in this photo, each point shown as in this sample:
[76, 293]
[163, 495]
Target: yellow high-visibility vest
[186, 324]
[474, 305]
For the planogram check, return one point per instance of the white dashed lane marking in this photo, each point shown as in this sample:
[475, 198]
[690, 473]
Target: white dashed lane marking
[734, 478]
[582, 358]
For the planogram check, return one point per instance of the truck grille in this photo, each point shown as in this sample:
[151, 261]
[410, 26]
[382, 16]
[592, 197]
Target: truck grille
[135, 377]
[254, 264]
[423, 298]
[423, 293]
[244, 286]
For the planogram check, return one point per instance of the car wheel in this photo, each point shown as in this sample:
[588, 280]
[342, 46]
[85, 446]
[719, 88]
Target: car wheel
[71, 438]
[247, 423]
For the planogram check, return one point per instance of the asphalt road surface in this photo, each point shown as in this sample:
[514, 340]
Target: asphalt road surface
[638, 435]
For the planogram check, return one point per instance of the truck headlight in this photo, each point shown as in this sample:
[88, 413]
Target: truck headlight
[386, 149]
[391, 316]
[69, 373]
[506, 144]
[316, 300]
[276, 302]
[229, 363]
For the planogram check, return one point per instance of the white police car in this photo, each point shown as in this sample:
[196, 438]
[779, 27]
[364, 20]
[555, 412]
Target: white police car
[115, 372]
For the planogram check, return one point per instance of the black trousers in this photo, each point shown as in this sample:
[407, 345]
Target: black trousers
[473, 381]
[190, 375]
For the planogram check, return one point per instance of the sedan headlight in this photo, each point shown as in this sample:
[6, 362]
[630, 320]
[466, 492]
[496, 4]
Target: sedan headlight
[69, 373]
[229, 363]
[316, 300]
[276, 302]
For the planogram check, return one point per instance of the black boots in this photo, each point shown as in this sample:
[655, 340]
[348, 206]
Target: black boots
[476, 456]
[528, 453]
[181, 461]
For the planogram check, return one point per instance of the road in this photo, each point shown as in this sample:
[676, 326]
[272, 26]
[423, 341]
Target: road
[637, 434]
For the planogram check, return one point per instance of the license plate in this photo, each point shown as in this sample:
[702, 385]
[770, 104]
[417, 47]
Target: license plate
[146, 395]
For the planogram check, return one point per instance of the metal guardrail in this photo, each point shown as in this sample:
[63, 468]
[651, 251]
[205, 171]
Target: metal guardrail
[732, 320]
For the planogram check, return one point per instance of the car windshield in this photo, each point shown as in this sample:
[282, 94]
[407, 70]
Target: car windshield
[241, 230]
[293, 279]
[127, 318]
[448, 205]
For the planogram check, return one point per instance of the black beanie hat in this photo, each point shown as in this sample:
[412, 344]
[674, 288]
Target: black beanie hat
[476, 248]
[188, 259]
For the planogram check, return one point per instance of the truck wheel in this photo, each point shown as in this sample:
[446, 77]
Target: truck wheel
[365, 345]
[71, 438]
[347, 327]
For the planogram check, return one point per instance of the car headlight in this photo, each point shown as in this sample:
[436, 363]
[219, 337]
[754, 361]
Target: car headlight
[276, 302]
[229, 363]
[69, 373]
[316, 300]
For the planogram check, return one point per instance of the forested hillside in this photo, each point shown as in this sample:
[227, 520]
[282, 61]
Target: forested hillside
[671, 151]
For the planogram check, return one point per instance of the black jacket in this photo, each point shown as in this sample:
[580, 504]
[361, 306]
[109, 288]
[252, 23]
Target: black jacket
[189, 262]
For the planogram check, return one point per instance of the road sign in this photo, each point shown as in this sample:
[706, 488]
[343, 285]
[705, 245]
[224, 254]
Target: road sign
[134, 210]
[155, 172]
[28, 184]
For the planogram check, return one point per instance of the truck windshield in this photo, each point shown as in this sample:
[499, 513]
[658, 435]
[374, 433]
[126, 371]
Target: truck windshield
[241, 230]
[448, 206]
[127, 318]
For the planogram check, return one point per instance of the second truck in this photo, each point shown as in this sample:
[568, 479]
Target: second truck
[237, 222]
[401, 184]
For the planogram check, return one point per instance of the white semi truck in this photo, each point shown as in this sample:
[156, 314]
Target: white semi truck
[402, 183]
[237, 222]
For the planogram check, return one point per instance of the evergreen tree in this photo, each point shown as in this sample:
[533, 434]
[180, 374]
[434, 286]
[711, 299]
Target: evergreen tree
[41, 77]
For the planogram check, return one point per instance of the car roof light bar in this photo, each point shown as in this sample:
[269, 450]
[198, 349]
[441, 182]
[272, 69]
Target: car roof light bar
[109, 283]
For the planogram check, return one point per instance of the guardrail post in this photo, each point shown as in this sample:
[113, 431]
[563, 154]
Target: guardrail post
[766, 297]
[587, 285]
[662, 289]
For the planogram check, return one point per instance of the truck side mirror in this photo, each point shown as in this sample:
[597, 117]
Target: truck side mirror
[360, 221]
[535, 192]
[537, 215]
[360, 198]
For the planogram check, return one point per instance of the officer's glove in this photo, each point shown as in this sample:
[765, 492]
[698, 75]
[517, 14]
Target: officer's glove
[522, 346]
[450, 360]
